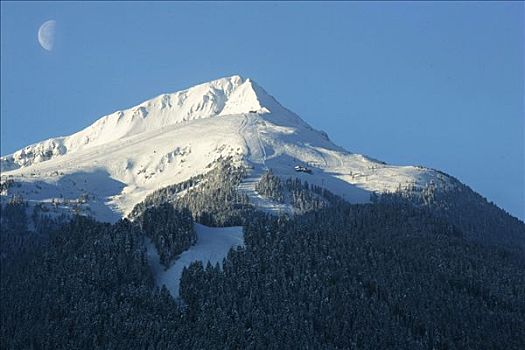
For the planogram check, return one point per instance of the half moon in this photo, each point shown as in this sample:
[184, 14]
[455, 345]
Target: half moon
[46, 35]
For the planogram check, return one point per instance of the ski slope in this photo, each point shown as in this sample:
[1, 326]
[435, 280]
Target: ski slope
[213, 244]
[267, 205]
[122, 157]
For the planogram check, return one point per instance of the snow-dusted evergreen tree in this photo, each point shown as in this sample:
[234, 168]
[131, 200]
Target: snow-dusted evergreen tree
[271, 186]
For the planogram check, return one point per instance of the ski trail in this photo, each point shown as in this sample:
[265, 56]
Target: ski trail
[250, 133]
[213, 244]
[257, 156]
[242, 129]
[261, 145]
[247, 186]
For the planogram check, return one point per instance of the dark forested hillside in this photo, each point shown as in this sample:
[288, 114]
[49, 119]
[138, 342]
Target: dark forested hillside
[478, 219]
[387, 275]
[87, 287]
[360, 277]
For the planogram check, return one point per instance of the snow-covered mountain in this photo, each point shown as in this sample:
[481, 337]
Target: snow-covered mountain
[114, 163]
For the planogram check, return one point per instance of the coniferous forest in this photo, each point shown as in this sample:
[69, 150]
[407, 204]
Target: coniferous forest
[394, 274]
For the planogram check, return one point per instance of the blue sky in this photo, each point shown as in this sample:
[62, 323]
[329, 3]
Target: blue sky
[436, 84]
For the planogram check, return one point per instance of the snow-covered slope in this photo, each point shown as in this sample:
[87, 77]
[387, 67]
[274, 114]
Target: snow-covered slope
[113, 164]
[231, 95]
[213, 244]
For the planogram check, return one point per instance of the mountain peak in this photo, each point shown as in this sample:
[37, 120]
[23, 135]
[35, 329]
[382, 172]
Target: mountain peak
[233, 95]
[246, 98]
[241, 95]
[224, 96]
[126, 155]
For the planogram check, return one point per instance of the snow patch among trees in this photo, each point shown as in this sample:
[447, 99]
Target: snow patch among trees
[213, 244]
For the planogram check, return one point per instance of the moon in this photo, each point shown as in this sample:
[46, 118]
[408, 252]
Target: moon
[46, 35]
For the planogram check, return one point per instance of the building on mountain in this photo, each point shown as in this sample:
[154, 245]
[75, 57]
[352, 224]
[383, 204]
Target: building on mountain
[302, 169]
